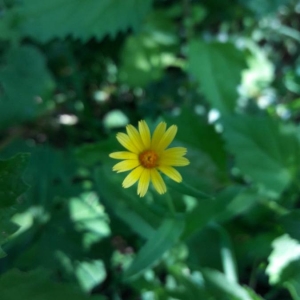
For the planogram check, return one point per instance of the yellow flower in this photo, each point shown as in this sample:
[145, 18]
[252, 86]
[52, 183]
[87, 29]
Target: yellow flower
[147, 156]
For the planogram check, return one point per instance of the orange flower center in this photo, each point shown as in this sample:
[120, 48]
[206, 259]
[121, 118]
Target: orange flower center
[148, 159]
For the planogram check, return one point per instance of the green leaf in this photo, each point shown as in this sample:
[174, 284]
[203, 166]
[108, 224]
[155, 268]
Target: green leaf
[161, 241]
[228, 203]
[217, 67]
[90, 274]
[22, 87]
[46, 20]
[219, 286]
[193, 286]
[265, 150]
[89, 217]
[11, 188]
[36, 285]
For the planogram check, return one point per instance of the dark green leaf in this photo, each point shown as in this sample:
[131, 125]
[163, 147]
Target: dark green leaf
[36, 285]
[25, 100]
[291, 224]
[46, 20]
[11, 188]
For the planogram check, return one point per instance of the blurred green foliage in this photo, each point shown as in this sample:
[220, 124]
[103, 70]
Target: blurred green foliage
[74, 73]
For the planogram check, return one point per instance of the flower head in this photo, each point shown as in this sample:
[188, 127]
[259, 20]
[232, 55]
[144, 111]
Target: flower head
[148, 156]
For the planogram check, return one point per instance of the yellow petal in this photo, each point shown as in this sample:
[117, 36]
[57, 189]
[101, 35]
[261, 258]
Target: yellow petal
[132, 177]
[174, 161]
[174, 152]
[167, 138]
[135, 137]
[144, 183]
[158, 134]
[123, 155]
[126, 165]
[145, 134]
[126, 142]
[158, 182]
[171, 172]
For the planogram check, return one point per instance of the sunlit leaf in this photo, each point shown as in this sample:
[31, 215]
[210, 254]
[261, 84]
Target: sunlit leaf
[284, 264]
[217, 67]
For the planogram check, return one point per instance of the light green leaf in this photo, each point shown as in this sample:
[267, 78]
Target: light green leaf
[160, 242]
[46, 20]
[284, 264]
[285, 251]
[36, 285]
[89, 218]
[265, 150]
[220, 286]
[11, 188]
[24, 81]
[217, 67]
[90, 273]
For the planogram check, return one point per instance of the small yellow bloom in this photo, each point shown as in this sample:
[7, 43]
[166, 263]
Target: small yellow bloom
[147, 156]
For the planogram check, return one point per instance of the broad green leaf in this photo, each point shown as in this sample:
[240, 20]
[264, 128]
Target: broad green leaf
[11, 188]
[265, 150]
[22, 87]
[46, 20]
[220, 286]
[227, 204]
[217, 67]
[36, 285]
[7, 28]
[233, 201]
[161, 241]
